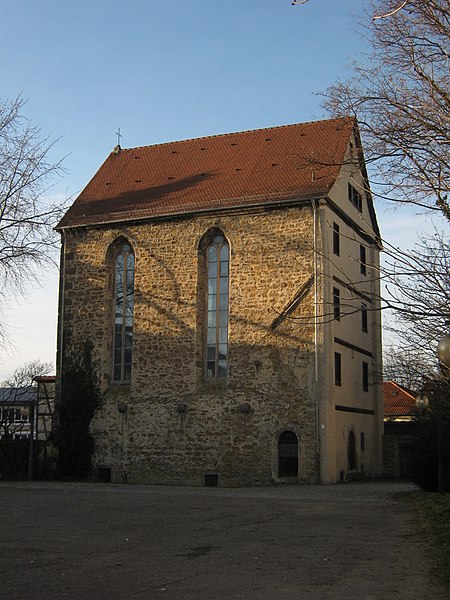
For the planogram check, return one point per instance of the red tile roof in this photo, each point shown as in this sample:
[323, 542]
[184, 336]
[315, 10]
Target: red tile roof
[45, 378]
[222, 171]
[398, 401]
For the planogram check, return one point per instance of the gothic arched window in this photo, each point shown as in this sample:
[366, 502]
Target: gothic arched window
[217, 262]
[123, 314]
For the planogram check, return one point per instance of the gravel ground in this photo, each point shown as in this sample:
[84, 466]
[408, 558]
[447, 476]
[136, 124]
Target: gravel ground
[94, 541]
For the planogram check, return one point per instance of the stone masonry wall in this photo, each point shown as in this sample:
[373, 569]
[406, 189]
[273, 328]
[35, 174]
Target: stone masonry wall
[169, 426]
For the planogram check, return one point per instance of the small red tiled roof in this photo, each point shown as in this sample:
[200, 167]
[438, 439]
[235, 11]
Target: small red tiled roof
[222, 171]
[45, 378]
[398, 401]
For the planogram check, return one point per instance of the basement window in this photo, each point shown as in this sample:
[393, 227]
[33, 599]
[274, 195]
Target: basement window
[104, 474]
[211, 479]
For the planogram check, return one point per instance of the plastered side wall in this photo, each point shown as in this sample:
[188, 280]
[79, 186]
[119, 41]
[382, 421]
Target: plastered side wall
[360, 410]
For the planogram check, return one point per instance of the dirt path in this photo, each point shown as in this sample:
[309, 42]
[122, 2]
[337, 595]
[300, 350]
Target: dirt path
[75, 541]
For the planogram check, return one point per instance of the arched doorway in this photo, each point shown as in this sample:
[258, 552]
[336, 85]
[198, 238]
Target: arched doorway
[351, 452]
[288, 454]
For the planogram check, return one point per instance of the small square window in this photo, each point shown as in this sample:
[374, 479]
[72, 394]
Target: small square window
[355, 197]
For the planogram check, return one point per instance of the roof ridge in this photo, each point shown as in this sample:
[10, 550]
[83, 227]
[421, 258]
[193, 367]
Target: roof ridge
[245, 131]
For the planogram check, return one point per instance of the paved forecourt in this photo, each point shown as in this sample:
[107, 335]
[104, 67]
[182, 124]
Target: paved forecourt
[93, 541]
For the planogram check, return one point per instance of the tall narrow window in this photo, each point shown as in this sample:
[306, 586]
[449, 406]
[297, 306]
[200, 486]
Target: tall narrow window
[123, 321]
[336, 304]
[351, 451]
[364, 318]
[336, 239]
[365, 377]
[337, 369]
[362, 260]
[217, 261]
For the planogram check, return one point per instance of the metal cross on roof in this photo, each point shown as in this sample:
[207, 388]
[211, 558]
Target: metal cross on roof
[119, 135]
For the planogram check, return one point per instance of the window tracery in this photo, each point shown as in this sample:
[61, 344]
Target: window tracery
[217, 283]
[123, 313]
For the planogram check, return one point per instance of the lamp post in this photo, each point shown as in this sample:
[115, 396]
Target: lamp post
[30, 470]
[443, 352]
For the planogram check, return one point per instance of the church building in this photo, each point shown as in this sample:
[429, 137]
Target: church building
[229, 286]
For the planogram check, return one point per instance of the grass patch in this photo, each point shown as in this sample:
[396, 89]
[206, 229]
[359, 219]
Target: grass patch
[433, 512]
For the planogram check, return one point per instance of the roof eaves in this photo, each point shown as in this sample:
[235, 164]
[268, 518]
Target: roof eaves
[265, 201]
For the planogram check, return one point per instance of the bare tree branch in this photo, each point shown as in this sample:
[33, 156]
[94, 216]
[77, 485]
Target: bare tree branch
[24, 375]
[392, 12]
[401, 99]
[27, 216]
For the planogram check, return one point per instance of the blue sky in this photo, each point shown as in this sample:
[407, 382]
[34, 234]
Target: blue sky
[161, 71]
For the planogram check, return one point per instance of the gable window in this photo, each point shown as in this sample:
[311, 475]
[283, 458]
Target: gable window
[217, 263]
[337, 369]
[365, 377]
[355, 197]
[362, 260]
[336, 239]
[123, 317]
[336, 304]
[364, 318]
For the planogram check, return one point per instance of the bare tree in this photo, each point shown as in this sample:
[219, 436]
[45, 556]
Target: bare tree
[27, 216]
[401, 99]
[400, 96]
[25, 374]
[417, 286]
[406, 367]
